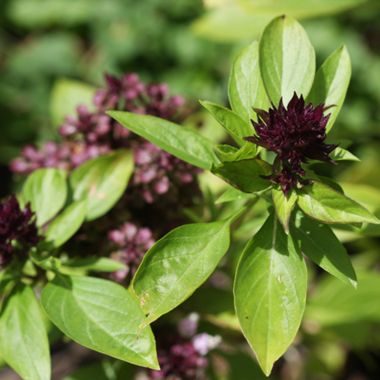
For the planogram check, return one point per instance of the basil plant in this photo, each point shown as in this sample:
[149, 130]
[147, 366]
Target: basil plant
[282, 109]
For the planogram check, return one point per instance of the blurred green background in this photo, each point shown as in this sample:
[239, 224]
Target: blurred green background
[190, 45]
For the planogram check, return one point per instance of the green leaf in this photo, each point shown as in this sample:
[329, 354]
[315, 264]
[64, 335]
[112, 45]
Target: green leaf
[287, 60]
[333, 302]
[102, 181]
[97, 264]
[245, 175]
[66, 95]
[65, 225]
[178, 264]
[233, 194]
[102, 316]
[23, 338]
[46, 190]
[318, 242]
[327, 205]
[331, 83]
[245, 88]
[180, 141]
[340, 154]
[270, 292]
[230, 153]
[235, 126]
[284, 205]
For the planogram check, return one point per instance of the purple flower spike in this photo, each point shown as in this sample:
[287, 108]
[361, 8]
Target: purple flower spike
[18, 230]
[296, 134]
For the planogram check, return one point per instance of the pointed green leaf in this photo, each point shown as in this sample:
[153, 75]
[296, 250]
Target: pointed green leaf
[270, 292]
[340, 154]
[180, 141]
[235, 126]
[284, 205]
[102, 316]
[23, 338]
[46, 190]
[230, 153]
[287, 60]
[102, 181]
[65, 225]
[245, 175]
[319, 243]
[323, 203]
[331, 83]
[178, 264]
[245, 88]
[233, 194]
[96, 264]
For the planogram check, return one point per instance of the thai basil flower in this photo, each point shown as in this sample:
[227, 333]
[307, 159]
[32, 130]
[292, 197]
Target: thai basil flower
[92, 133]
[18, 230]
[130, 242]
[184, 357]
[296, 134]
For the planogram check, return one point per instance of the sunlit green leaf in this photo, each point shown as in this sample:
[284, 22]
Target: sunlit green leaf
[246, 89]
[235, 126]
[102, 181]
[284, 205]
[287, 60]
[46, 191]
[102, 316]
[331, 83]
[23, 338]
[178, 264]
[65, 225]
[178, 140]
[323, 203]
[270, 292]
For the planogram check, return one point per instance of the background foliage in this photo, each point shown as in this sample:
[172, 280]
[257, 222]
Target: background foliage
[190, 45]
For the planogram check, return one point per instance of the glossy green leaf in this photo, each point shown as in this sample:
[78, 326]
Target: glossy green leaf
[102, 181]
[287, 60]
[102, 316]
[178, 264]
[233, 194]
[46, 190]
[229, 153]
[96, 264]
[66, 95]
[284, 205]
[235, 126]
[318, 242]
[23, 338]
[245, 88]
[245, 175]
[340, 154]
[65, 225]
[270, 292]
[323, 203]
[331, 83]
[180, 141]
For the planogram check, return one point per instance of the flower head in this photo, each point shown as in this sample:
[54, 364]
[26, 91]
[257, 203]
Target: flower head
[296, 134]
[18, 229]
[130, 243]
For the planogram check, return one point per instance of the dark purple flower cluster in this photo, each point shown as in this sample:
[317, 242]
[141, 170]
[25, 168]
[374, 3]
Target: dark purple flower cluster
[183, 356]
[18, 229]
[93, 133]
[296, 134]
[130, 243]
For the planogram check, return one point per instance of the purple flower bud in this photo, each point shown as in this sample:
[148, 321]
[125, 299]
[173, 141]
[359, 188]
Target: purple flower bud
[204, 343]
[16, 225]
[296, 134]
